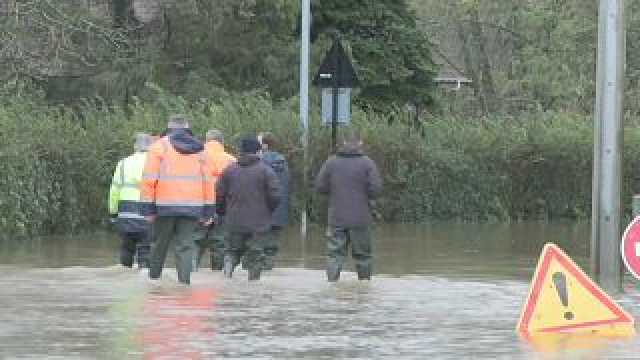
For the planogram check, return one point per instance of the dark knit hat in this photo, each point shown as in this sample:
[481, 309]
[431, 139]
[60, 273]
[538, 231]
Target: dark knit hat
[250, 145]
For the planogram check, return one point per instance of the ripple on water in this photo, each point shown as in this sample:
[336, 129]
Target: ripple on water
[85, 312]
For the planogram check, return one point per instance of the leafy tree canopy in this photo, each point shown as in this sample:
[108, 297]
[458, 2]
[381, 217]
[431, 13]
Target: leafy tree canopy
[392, 57]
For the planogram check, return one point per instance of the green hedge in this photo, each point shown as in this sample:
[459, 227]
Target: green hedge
[56, 163]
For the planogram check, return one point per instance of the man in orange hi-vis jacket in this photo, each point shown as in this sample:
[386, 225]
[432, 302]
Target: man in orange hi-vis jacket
[212, 237]
[178, 195]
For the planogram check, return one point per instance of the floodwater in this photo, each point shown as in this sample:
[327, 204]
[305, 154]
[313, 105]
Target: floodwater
[443, 291]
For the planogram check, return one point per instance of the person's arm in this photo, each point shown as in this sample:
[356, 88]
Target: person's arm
[285, 180]
[208, 184]
[150, 177]
[323, 179]
[114, 191]
[374, 181]
[273, 189]
[222, 187]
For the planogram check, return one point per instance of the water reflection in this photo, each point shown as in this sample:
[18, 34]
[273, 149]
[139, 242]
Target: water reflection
[454, 249]
[586, 346]
[175, 322]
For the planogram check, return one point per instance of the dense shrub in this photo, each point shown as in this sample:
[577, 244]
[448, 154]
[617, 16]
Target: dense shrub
[56, 164]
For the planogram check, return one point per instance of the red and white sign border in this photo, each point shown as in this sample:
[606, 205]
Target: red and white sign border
[622, 243]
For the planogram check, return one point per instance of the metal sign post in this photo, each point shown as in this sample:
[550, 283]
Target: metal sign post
[334, 113]
[304, 106]
[606, 213]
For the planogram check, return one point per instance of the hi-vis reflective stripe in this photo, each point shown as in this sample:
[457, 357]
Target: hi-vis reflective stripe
[128, 215]
[128, 185]
[195, 178]
[181, 203]
[122, 182]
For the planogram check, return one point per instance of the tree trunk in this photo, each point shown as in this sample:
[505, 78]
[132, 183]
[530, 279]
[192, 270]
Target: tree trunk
[487, 84]
[470, 66]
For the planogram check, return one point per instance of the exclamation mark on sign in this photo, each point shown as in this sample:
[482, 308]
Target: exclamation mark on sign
[560, 281]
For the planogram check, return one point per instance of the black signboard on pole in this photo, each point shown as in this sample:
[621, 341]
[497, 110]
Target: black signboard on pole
[336, 72]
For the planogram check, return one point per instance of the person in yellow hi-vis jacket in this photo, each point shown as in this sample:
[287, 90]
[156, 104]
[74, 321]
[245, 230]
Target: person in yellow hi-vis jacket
[125, 206]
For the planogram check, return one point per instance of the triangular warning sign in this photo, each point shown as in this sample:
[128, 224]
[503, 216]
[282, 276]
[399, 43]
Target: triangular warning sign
[336, 69]
[563, 299]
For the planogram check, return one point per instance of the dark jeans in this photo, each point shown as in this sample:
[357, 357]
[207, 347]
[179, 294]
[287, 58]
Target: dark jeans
[359, 238]
[247, 244]
[132, 243]
[182, 232]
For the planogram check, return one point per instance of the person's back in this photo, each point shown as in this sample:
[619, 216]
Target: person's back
[125, 203]
[179, 196]
[351, 180]
[220, 159]
[175, 181]
[351, 183]
[252, 194]
[246, 195]
[128, 178]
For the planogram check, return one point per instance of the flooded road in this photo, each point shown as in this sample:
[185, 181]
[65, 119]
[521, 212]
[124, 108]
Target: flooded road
[440, 292]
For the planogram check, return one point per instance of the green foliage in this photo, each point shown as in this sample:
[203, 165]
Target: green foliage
[57, 163]
[238, 46]
[64, 48]
[392, 57]
[523, 56]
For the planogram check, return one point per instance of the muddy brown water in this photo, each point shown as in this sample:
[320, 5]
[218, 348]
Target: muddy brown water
[442, 291]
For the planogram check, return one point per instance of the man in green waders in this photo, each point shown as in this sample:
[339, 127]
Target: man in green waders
[247, 193]
[351, 180]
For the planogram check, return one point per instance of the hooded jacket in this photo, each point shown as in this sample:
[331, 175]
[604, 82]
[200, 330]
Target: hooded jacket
[176, 179]
[247, 193]
[278, 163]
[350, 179]
[219, 159]
[124, 194]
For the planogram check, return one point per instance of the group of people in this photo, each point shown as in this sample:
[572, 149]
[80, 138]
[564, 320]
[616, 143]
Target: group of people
[176, 190]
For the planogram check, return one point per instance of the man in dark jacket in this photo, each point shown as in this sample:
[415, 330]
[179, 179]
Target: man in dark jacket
[278, 163]
[352, 181]
[247, 193]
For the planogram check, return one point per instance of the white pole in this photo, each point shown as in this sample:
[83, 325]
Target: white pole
[304, 105]
[605, 256]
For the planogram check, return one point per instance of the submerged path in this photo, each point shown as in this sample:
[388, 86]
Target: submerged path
[436, 296]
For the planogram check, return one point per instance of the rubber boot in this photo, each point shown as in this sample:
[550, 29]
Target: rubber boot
[143, 263]
[217, 263]
[333, 274]
[268, 263]
[364, 276]
[364, 272]
[198, 257]
[254, 274]
[228, 267]
[142, 257]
